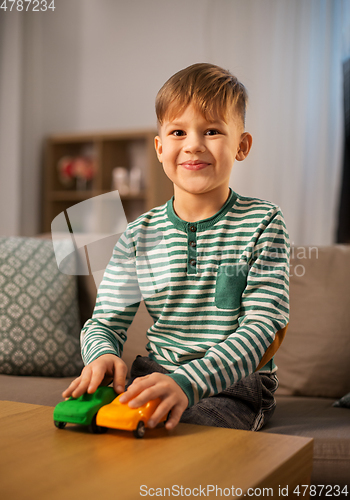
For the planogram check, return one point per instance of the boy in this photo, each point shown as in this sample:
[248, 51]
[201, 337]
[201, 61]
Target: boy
[224, 311]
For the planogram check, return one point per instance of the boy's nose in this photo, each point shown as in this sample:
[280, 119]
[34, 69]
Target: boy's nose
[194, 144]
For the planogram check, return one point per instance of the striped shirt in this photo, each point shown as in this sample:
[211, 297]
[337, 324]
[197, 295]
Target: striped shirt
[217, 290]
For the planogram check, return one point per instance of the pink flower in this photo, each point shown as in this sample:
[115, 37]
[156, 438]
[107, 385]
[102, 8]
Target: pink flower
[70, 168]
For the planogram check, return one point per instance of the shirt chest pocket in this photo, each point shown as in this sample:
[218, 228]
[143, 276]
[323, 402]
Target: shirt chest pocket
[231, 281]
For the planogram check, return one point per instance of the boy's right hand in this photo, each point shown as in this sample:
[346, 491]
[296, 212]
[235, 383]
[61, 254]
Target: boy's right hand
[102, 370]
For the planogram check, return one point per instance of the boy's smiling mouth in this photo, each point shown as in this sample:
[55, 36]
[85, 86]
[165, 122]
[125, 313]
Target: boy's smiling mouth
[194, 164]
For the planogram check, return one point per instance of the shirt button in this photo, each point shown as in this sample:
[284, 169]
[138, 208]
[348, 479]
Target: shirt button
[193, 262]
[193, 229]
[192, 244]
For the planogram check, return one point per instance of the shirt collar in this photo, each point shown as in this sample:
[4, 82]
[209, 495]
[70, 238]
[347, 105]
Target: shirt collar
[204, 223]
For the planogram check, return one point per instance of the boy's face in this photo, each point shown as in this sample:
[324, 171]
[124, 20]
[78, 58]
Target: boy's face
[198, 155]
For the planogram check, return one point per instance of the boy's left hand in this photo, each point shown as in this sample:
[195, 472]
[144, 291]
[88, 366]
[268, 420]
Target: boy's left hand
[157, 385]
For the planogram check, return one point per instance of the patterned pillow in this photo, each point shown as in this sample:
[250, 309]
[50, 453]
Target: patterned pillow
[343, 402]
[39, 316]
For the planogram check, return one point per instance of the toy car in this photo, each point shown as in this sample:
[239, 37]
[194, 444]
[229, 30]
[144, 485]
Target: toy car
[83, 410]
[117, 415]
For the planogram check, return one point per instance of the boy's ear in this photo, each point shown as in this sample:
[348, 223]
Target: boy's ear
[244, 146]
[158, 147]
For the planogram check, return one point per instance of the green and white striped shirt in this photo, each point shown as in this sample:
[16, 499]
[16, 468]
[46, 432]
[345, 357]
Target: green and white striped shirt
[217, 290]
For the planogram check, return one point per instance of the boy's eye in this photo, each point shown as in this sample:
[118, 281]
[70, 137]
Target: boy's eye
[212, 131]
[178, 133]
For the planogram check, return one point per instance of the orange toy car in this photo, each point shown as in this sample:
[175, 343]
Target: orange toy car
[117, 415]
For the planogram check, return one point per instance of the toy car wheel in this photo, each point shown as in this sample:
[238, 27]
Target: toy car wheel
[140, 430]
[96, 429]
[60, 425]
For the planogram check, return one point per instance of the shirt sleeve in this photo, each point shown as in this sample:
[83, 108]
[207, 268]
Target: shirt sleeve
[117, 302]
[264, 311]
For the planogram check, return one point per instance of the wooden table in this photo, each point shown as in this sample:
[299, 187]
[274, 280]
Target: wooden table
[40, 462]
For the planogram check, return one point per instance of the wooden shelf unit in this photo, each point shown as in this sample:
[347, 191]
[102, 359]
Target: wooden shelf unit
[109, 150]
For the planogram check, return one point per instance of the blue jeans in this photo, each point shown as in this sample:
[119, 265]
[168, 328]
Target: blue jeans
[246, 405]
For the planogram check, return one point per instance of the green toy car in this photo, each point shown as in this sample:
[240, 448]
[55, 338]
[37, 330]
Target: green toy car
[83, 410]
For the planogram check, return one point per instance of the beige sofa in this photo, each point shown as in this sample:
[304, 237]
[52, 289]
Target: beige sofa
[314, 367]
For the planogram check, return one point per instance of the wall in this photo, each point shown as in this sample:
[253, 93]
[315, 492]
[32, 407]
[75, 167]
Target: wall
[10, 126]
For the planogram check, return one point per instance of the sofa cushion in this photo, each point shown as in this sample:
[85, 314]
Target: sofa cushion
[34, 390]
[314, 357]
[39, 316]
[328, 426]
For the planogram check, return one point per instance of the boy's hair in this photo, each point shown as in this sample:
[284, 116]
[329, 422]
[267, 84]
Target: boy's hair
[211, 89]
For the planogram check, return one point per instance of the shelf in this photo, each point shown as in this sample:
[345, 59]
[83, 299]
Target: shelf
[107, 151]
[83, 195]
